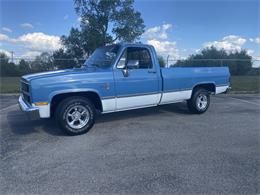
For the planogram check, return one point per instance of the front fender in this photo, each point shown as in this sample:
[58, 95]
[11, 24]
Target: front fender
[54, 93]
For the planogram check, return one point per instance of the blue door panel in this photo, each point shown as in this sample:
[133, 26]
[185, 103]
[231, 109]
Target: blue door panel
[138, 82]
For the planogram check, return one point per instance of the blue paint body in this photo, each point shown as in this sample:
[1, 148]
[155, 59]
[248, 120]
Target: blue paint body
[44, 86]
[181, 78]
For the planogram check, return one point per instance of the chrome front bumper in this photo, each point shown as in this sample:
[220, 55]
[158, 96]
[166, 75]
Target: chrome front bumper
[26, 107]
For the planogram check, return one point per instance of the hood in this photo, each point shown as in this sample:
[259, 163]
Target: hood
[46, 74]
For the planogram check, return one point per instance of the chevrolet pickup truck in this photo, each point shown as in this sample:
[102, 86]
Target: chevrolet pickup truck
[115, 78]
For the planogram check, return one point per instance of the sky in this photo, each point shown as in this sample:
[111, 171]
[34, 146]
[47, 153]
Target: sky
[174, 27]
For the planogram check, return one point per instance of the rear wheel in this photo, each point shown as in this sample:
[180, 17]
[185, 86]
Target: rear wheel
[199, 101]
[76, 115]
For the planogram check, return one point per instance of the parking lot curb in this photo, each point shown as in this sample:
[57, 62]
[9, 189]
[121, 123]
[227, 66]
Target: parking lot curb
[9, 94]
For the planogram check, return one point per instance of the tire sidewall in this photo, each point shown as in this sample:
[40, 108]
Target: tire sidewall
[196, 95]
[65, 107]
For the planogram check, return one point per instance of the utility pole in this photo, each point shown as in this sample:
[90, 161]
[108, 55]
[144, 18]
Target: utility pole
[12, 56]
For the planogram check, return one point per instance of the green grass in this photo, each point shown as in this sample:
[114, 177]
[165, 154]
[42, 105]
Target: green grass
[245, 83]
[238, 83]
[10, 84]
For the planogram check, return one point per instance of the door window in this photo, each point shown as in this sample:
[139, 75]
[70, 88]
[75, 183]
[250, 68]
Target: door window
[136, 53]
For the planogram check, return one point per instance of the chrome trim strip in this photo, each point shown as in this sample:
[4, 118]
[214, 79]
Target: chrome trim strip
[108, 97]
[169, 91]
[153, 93]
[130, 95]
[137, 94]
[186, 89]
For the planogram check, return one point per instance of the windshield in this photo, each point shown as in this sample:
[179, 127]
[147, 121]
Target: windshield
[103, 56]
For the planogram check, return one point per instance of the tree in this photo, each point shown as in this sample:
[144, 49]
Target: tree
[4, 58]
[62, 59]
[73, 43]
[43, 62]
[24, 67]
[7, 68]
[4, 61]
[239, 62]
[103, 22]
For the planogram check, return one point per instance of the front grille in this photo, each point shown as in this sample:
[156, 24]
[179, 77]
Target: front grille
[25, 87]
[27, 98]
[25, 90]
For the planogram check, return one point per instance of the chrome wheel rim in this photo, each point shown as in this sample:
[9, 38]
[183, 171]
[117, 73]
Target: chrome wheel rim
[202, 101]
[77, 117]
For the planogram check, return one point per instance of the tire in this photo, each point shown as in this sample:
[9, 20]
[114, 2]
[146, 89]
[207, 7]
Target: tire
[199, 102]
[75, 115]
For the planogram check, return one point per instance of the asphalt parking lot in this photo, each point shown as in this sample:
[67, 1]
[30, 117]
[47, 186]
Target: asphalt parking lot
[148, 151]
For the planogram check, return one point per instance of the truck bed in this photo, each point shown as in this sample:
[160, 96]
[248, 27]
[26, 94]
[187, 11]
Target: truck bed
[183, 78]
[178, 82]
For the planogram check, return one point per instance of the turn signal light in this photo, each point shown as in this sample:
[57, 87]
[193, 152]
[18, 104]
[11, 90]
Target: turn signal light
[41, 103]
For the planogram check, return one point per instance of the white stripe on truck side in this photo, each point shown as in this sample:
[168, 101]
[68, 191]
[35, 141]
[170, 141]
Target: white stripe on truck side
[176, 96]
[141, 101]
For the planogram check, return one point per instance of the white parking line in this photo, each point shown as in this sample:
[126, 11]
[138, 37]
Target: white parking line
[245, 101]
[7, 108]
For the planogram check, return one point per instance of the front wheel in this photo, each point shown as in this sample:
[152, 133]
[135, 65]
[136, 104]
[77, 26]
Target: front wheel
[199, 101]
[75, 115]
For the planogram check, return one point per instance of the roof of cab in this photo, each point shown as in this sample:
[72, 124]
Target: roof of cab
[125, 44]
[133, 44]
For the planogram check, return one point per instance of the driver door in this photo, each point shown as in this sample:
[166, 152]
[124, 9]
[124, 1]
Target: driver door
[136, 86]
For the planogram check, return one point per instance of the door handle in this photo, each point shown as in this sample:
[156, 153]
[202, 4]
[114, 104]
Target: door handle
[152, 71]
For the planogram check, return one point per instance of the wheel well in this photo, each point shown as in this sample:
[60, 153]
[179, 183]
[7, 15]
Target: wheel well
[207, 86]
[92, 96]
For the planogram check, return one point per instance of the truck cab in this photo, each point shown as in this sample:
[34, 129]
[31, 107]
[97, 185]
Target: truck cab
[115, 78]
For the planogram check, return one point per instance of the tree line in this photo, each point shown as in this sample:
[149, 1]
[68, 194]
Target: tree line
[239, 62]
[103, 22]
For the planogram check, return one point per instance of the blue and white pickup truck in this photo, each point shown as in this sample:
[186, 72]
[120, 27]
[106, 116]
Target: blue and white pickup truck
[115, 78]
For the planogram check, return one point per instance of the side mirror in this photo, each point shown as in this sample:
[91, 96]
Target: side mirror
[125, 72]
[133, 64]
